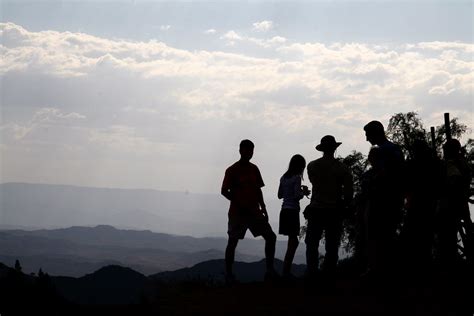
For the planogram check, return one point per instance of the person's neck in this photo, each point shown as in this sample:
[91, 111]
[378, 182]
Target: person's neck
[244, 161]
[328, 155]
[382, 141]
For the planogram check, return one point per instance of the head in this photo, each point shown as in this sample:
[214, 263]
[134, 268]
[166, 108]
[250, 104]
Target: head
[328, 145]
[246, 150]
[452, 149]
[296, 166]
[374, 132]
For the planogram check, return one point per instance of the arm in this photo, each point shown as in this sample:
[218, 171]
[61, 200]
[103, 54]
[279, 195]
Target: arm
[261, 184]
[225, 190]
[298, 191]
[261, 201]
[280, 191]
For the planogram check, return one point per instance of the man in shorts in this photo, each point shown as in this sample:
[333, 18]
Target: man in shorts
[242, 186]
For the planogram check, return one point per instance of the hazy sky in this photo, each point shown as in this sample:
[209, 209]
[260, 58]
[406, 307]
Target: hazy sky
[143, 94]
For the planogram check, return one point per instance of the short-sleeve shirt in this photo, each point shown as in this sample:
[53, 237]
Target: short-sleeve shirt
[244, 182]
[331, 181]
[290, 191]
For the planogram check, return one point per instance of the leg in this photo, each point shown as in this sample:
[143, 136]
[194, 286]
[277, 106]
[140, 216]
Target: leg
[313, 235]
[230, 254]
[270, 242]
[290, 254]
[333, 239]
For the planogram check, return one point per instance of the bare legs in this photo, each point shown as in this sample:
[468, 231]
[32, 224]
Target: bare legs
[270, 241]
[230, 254]
[290, 254]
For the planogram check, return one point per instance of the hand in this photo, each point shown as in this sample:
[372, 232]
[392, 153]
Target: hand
[306, 191]
[264, 212]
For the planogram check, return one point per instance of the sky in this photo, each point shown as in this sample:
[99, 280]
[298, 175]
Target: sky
[153, 94]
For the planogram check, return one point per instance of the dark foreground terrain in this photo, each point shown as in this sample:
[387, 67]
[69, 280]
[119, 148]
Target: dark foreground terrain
[117, 290]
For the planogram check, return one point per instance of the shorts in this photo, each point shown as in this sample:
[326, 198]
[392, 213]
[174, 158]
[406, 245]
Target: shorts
[289, 222]
[257, 224]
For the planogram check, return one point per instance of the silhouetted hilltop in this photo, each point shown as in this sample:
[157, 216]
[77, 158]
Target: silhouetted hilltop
[116, 290]
[107, 286]
[3, 270]
[213, 270]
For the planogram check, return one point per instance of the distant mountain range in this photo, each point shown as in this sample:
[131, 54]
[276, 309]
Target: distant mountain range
[76, 251]
[54, 206]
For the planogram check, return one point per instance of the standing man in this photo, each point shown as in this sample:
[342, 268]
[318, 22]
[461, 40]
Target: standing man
[242, 186]
[331, 193]
[386, 200]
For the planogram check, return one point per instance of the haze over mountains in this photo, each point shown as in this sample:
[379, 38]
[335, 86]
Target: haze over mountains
[155, 241]
[56, 206]
[76, 251]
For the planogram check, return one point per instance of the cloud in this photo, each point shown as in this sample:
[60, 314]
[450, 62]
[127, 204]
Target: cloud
[210, 31]
[44, 117]
[263, 26]
[165, 27]
[233, 37]
[154, 104]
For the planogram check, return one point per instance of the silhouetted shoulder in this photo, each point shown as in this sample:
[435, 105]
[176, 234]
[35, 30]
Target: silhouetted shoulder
[238, 166]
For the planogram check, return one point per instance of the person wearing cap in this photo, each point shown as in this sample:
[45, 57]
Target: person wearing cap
[332, 192]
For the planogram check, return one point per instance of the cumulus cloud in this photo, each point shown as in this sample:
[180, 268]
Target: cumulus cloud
[233, 37]
[148, 98]
[262, 26]
[165, 27]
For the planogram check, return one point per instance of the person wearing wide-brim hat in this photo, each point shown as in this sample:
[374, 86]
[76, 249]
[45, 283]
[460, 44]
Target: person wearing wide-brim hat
[328, 143]
[332, 191]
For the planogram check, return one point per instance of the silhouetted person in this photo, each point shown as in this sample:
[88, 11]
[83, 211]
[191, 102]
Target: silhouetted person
[291, 191]
[242, 186]
[454, 201]
[365, 247]
[331, 193]
[386, 199]
[423, 175]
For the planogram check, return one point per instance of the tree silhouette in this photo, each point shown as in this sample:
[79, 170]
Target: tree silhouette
[17, 266]
[404, 128]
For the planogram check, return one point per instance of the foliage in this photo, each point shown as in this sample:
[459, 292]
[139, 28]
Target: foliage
[404, 128]
[357, 163]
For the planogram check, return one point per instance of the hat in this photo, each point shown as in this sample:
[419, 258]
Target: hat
[328, 142]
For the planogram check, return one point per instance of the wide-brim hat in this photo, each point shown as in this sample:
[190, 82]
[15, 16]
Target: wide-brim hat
[328, 142]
